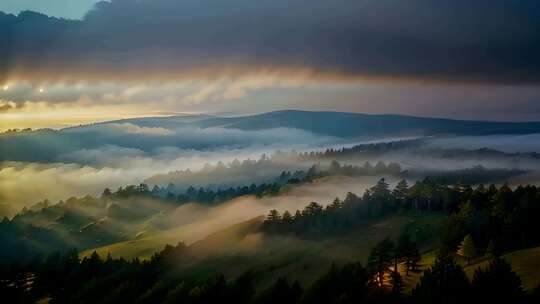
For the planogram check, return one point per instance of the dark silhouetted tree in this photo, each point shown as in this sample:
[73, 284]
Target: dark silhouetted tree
[401, 190]
[444, 282]
[281, 292]
[497, 284]
[397, 284]
[348, 284]
[380, 260]
[407, 252]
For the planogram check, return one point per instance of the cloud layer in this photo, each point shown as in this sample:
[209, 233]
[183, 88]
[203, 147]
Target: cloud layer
[484, 40]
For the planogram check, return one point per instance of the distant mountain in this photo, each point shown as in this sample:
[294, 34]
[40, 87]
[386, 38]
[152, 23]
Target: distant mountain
[204, 132]
[342, 124]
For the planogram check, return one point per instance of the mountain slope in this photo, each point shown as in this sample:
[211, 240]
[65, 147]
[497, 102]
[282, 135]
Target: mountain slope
[342, 124]
[203, 132]
[339, 124]
[242, 247]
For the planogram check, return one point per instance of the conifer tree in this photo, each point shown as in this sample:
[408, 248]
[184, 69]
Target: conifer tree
[397, 283]
[401, 190]
[497, 284]
[407, 252]
[467, 249]
[445, 282]
[381, 259]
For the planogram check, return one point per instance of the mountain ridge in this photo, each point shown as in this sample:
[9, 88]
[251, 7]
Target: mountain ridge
[350, 124]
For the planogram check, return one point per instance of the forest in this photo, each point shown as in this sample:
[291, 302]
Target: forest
[269, 151]
[481, 223]
[88, 221]
[497, 218]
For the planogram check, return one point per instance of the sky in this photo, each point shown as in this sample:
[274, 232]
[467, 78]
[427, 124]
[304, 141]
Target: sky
[73, 62]
[69, 9]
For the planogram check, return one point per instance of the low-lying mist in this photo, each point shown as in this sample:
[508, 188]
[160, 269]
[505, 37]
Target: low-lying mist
[506, 143]
[192, 222]
[89, 171]
[81, 161]
[23, 184]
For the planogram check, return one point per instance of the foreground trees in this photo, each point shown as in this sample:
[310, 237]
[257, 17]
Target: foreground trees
[444, 282]
[482, 220]
[68, 279]
[408, 253]
[386, 261]
[497, 283]
[380, 261]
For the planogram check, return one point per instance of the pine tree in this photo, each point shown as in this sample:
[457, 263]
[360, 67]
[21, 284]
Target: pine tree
[407, 252]
[336, 204]
[401, 190]
[273, 216]
[497, 284]
[381, 259]
[397, 283]
[281, 292]
[380, 190]
[445, 282]
[467, 249]
[287, 217]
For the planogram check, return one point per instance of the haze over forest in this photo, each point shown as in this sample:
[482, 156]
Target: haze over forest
[196, 151]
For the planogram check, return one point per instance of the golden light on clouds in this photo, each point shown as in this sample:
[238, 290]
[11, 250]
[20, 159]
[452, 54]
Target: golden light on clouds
[42, 115]
[61, 104]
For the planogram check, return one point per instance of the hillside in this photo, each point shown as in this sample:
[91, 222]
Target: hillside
[204, 132]
[242, 247]
[524, 262]
[343, 124]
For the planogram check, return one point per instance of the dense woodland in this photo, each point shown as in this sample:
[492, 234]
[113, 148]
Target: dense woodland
[89, 222]
[66, 279]
[482, 221]
[498, 218]
[209, 195]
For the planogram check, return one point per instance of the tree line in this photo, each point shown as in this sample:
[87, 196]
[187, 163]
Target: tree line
[28, 235]
[471, 230]
[488, 219]
[208, 195]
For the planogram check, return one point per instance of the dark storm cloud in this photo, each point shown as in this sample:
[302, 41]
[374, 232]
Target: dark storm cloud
[458, 40]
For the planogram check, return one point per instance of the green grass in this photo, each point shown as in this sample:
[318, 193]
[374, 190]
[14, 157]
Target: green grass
[241, 247]
[526, 264]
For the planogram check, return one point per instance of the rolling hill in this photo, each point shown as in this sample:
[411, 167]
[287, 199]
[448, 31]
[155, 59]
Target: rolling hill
[343, 124]
[203, 133]
[243, 247]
